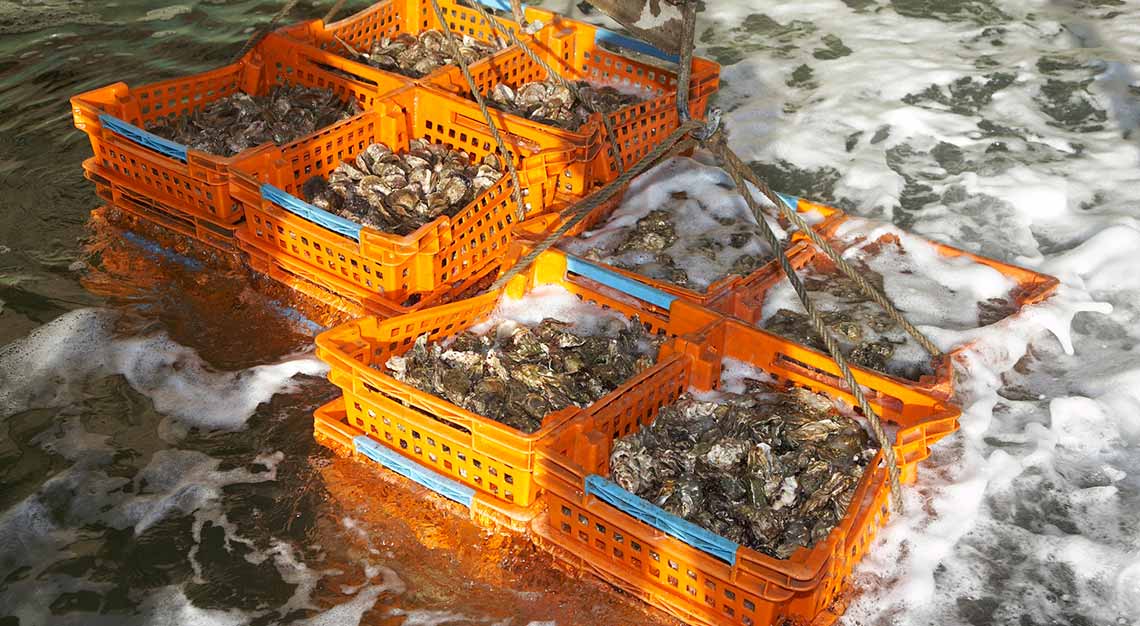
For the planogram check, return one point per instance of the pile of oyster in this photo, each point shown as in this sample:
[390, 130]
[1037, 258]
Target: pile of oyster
[399, 192]
[420, 55]
[867, 336]
[232, 124]
[769, 469]
[654, 248]
[517, 374]
[551, 103]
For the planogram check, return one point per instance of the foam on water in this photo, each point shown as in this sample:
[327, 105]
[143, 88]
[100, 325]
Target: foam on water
[550, 301]
[51, 366]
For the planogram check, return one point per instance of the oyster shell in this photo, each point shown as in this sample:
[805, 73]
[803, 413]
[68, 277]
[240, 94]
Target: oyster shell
[398, 193]
[770, 469]
[551, 103]
[517, 375]
[420, 55]
[235, 123]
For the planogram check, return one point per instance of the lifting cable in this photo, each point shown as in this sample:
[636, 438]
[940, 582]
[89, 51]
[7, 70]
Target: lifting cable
[260, 32]
[607, 123]
[507, 156]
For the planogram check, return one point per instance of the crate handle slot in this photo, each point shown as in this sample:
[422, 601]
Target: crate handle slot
[668, 523]
[317, 216]
[413, 471]
[166, 147]
[624, 284]
[602, 35]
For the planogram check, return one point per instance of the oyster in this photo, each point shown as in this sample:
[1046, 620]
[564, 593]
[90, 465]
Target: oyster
[655, 247]
[517, 375]
[867, 336]
[398, 193]
[772, 470]
[551, 103]
[235, 123]
[420, 55]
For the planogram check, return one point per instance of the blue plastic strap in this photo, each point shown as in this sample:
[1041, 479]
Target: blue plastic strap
[157, 250]
[498, 5]
[148, 140]
[629, 43]
[410, 469]
[624, 284]
[317, 216]
[790, 200]
[668, 523]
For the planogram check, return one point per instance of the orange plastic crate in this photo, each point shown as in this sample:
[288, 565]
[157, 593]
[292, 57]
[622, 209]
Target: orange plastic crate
[746, 302]
[718, 290]
[671, 569]
[332, 430]
[384, 265]
[481, 453]
[346, 297]
[216, 236]
[392, 17]
[193, 182]
[580, 51]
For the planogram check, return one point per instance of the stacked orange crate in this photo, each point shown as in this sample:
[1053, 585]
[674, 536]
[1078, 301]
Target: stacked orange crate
[687, 570]
[190, 186]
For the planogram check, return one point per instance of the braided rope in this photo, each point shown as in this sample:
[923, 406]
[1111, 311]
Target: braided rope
[720, 148]
[517, 193]
[685, 75]
[732, 161]
[336, 7]
[262, 31]
[607, 123]
[673, 143]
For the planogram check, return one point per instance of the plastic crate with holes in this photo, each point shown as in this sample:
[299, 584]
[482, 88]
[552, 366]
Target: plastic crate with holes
[190, 183]
[687, 570]
[331, 428]
[476, 451]
[218, 237]
[354, 36]
[857, 238]
[362, 263]
[819, 216]
[578, 51]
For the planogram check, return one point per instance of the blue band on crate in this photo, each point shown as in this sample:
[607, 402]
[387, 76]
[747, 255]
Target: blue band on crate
[624, 284]
[629, 43]
[322, 218]
[171, 149]
[791, 201]
[298, 318]
[498, 5]
[154, 248]
[414, 471]
[668, 523]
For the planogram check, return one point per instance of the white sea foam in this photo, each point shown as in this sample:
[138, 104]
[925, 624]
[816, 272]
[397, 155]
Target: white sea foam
[51, 366]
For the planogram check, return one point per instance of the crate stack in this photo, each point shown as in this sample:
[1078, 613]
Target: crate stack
[251, 203]
[553, 483]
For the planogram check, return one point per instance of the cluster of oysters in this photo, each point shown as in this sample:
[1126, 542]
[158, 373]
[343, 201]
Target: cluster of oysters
[769, 469]
[649, 247]
[235, 123]
[516, 375]
[399, 192]
[551, 103]
[420, 55]
[867, 336]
